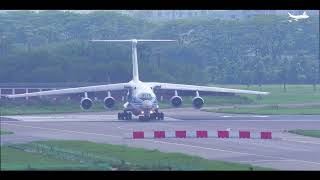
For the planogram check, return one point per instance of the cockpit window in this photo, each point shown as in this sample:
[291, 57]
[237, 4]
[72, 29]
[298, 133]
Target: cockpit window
[145, 96]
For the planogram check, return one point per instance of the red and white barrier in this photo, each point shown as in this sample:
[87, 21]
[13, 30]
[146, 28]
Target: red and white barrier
[138, 135]
[244, 134]
[202, 134]
[181, 134]
[223, 134]
[159, 134]
[266, 135]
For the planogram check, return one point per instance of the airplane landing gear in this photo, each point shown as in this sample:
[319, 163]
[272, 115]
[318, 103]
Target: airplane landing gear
[154, 116]
[125, 115]
[160, 116]
[128, 116]
[142, 118]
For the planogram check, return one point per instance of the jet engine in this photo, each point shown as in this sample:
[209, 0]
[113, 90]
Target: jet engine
[197, 102]
[176, 101]
[86, 103]
[109, 102]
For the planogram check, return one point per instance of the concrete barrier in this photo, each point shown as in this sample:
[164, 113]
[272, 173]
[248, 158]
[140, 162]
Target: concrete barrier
[201, 134]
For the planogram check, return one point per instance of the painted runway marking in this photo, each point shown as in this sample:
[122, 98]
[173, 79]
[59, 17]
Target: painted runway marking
[167, 119]
[74, 118]
[20, 138]
[270, 160]
[243, 116]
[307, 142]
[63, 118]
[171, 119]
[250, 120]
[121, 127]
[164, 142]
[260, 116]
[128, 127]
[62, 130]
[60, 117]
[235, 152]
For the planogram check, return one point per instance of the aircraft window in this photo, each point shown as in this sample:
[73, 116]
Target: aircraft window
[145, 96]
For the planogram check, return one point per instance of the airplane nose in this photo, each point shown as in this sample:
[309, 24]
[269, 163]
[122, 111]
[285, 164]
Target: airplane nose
[147, 104]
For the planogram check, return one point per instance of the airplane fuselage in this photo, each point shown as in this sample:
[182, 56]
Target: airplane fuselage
[298, 17]
[141, 99]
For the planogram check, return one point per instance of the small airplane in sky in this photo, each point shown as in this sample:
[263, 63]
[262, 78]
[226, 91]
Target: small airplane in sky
[298, 17]
[141, 96]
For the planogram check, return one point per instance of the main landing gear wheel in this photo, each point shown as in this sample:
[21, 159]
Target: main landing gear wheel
[125, 116]
[153, 116]
[160, 116]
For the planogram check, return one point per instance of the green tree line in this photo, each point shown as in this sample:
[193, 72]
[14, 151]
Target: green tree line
[53, 46]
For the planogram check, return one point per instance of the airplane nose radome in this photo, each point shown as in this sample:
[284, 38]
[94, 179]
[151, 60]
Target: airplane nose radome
[147, 103]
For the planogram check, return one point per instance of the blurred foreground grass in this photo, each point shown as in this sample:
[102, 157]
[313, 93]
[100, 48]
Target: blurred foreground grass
[82, 155]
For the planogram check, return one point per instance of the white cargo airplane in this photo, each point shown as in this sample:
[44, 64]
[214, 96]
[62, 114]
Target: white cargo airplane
[298, 17]
[141, 98]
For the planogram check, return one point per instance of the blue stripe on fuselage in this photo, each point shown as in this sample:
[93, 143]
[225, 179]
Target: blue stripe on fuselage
[138, 103]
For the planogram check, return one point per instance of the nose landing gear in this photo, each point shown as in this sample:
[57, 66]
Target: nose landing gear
[128, 116]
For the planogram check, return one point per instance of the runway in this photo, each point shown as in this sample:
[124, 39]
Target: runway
[285, 151]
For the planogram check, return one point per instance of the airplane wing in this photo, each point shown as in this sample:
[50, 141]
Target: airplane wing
[108, 87]
[184, 87]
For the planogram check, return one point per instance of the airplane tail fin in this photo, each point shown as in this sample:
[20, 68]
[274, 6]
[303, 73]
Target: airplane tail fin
[135, 71]
[290, 14]
[305, 13]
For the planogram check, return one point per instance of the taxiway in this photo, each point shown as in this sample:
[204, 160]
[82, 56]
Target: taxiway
[285, 151]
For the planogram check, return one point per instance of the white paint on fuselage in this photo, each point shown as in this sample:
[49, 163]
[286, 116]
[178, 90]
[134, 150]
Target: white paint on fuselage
[298, 17]
[145, 105]
[140, 87]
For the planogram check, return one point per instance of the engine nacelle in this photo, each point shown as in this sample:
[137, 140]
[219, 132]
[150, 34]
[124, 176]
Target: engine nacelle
[109, 102]
[176, 101]
[86, 103]
[197, 102]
